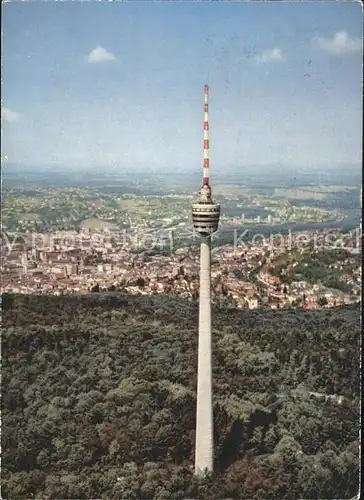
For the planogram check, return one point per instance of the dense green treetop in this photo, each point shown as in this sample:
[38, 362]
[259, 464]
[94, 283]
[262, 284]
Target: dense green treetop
[99, 397]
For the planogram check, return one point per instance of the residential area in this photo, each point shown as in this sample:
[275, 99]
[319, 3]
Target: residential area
[245, 274]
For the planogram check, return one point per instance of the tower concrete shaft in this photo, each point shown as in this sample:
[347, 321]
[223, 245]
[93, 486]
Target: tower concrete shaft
[204, 451]
[205, 215]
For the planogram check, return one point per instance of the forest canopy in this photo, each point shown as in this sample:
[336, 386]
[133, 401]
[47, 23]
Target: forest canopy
[99, 399]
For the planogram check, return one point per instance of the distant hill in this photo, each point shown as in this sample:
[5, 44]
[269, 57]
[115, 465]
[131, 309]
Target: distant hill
[99, 395]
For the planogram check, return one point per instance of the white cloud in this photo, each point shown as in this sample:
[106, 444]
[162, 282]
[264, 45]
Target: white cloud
[9, 115]
[339, 44]
[272, 55]
[99, 54]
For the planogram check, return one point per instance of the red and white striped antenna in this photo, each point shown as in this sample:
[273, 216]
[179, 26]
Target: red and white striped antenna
[206, 140]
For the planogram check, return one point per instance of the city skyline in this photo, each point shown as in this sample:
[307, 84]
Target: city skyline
[117, 84]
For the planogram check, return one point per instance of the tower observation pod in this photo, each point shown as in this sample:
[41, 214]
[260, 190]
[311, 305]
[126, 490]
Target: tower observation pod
[205, 212]
[205, 216]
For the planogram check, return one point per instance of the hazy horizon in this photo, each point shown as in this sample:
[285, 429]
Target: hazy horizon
[309, 169]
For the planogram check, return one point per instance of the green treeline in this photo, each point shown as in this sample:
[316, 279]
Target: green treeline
[99, 396]
[318, 267]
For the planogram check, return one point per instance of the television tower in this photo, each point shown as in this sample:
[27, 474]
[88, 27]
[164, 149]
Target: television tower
[205, 215]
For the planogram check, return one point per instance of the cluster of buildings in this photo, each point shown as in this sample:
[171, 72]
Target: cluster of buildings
[86, 262]
[305, 295]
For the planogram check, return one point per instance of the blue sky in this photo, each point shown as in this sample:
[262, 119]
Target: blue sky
[121, 84]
